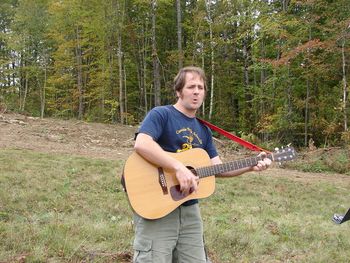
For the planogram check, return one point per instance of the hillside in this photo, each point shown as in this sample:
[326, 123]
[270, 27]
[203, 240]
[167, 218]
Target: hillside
[109, 141]
[73, 216]
[66, 136]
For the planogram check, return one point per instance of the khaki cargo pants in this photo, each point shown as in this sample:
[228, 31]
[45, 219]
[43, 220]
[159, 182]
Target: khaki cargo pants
[175, 238]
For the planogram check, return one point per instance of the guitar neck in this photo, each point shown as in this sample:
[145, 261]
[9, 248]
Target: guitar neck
[229, 166]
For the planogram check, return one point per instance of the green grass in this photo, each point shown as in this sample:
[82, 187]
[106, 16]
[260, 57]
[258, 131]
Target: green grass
[266, 219]
[63, 208]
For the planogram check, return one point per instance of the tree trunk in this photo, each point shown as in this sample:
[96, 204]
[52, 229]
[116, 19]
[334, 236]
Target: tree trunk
[306, 121]
[247, 93]
[143, 69]
[112, 85]
[203, 104]
[306, 118]
[179, 33]
[120, 11]
[345, 87]
[263, 103]
[210, 22]
[125, 97]
[285, 4]
[43, 94]
[156, 75]
[145, 82]
[25, 93]
[289, 94]
[78, 53]
[145, 45]
[120, 66]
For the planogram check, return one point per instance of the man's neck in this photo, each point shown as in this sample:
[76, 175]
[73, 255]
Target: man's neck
[188, 113]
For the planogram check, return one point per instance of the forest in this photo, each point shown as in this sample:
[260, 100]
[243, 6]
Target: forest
[277, 70]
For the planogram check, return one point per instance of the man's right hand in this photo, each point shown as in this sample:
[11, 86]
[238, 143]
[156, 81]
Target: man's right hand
[187, 180]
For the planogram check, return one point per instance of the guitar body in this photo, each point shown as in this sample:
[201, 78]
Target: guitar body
[153, 192]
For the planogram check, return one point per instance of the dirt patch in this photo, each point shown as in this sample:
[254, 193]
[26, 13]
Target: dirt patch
[97, 140]
[107, 141]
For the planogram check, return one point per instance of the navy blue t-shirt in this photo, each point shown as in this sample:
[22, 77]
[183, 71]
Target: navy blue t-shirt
[176, 132]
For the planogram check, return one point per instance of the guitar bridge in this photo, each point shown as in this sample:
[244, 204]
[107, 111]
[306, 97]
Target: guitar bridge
[162, 181]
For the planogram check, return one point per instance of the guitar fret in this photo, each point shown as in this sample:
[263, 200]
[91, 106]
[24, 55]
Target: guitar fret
[226, 168]
[249, 162]
[235, 165]
[206, 172]
[217, 169]
[200, 172]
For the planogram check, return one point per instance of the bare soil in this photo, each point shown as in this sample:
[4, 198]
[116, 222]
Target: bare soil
[106, 141]
[97, 140]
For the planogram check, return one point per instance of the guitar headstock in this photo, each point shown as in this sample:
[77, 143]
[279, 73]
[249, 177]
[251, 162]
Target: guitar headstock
[284, 154]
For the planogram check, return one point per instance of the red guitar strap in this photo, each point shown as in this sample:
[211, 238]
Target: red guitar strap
[232, 137]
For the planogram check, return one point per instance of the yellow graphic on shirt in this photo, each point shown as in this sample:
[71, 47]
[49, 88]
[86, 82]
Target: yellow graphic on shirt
[191, 139]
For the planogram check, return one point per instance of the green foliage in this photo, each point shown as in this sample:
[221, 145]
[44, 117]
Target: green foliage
[331, 160]
[338, 161]
[318, 166]
[277, 65]
[345, 137]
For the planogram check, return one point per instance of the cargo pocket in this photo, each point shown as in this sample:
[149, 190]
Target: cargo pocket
[142, 250]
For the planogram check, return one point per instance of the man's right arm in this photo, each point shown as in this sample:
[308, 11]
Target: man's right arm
[151, 151]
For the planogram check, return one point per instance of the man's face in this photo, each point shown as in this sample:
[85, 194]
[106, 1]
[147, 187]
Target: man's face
[193, 93]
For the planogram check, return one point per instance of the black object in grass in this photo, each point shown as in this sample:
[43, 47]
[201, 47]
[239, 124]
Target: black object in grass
[339, 219]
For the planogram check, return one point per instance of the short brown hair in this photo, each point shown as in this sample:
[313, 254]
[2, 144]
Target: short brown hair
[179, 80]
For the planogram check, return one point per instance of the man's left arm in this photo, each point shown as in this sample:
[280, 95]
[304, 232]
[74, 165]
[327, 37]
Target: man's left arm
[261, 165]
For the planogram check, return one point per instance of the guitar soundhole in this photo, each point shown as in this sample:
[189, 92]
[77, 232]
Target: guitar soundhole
[175, 191]
[176, 194]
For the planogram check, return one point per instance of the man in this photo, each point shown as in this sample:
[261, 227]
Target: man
[177, 237]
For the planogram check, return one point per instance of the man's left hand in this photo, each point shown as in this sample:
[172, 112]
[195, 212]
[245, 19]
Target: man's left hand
[262, 164]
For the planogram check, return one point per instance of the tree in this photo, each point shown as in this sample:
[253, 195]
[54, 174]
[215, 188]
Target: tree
[156, 76]
[212, 67]
[179, 33]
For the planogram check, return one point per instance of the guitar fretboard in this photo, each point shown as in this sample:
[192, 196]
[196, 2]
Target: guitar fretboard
[229, 166]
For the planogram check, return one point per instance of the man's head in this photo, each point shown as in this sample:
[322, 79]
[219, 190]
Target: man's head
[180, 79]
[190, 89]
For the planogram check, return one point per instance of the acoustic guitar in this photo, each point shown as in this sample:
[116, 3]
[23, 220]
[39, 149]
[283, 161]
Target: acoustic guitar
[154, 192]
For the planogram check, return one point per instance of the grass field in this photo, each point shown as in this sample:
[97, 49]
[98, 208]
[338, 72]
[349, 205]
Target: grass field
[64, 208]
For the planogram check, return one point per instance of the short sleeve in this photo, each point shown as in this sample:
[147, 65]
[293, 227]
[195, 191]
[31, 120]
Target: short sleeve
[154, 123]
